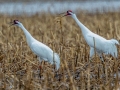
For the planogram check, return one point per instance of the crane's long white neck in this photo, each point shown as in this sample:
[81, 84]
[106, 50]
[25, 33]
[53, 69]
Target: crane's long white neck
[27, 34]
[84, 29]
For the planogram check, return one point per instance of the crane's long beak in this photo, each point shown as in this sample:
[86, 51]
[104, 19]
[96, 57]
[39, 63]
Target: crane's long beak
[62, 14]
[11, 23]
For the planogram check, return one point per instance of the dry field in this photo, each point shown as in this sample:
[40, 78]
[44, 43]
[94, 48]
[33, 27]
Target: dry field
[19, 67]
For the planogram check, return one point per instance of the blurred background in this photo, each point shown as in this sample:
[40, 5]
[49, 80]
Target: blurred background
[30, 7]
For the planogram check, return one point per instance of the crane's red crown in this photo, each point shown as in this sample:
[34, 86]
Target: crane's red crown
[15, 21]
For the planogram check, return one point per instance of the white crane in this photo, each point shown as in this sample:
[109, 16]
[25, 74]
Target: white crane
[100, 44]
[41, 50]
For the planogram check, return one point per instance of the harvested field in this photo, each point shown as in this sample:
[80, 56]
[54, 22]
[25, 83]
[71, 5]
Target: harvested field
[19, 67]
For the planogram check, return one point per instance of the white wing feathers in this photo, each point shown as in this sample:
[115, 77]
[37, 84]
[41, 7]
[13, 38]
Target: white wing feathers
[45, 53]
[102, 45]
[111, 47]
[115, 41]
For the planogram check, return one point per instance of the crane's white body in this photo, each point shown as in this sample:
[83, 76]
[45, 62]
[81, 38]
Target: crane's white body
[101, 44]
[41, 50]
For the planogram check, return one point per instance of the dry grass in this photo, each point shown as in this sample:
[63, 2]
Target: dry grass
[19, 67]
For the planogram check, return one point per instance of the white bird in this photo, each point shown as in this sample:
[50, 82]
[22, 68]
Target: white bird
[100, 44]
[41, 50]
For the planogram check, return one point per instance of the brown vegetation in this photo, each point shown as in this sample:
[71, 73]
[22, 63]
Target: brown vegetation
[19, 67]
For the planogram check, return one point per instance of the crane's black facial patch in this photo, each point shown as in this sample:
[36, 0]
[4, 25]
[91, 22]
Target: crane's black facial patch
[15, 21]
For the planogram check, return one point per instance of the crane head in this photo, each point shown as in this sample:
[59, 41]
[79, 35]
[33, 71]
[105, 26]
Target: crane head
[69, 12]
[15, 22]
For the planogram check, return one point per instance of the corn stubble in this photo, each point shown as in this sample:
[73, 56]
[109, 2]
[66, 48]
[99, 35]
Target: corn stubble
[19, 67]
